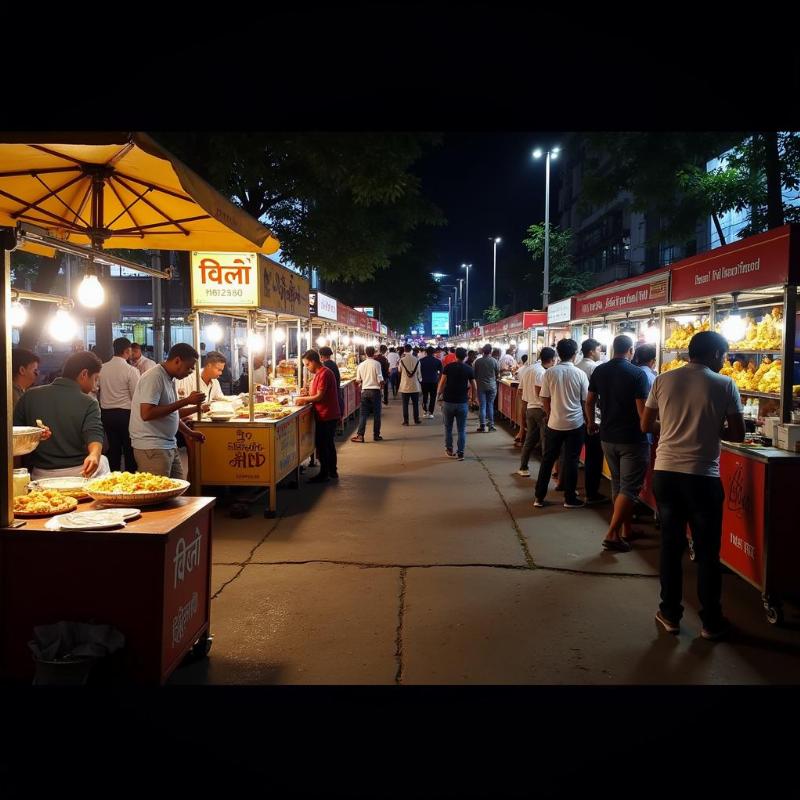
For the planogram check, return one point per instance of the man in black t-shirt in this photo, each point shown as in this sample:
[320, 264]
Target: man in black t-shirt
[622, 390]
[454, 385]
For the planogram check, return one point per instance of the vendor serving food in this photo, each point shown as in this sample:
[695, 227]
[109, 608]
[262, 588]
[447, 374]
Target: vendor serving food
[76, 446]
[155, 417]
[209, 381]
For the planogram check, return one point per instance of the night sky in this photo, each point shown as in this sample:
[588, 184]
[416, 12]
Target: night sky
[487, 184]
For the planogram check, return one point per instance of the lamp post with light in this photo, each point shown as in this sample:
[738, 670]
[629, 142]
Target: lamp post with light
[496, 241]
[467, 267]
[537, 153]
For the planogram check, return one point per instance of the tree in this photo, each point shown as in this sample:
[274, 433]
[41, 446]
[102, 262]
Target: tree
[564, 281]
[493, 314]
[344, 204]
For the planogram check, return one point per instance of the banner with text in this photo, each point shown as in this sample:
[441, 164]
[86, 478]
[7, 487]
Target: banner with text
[282, 291]
[224, 280]
[647, 291]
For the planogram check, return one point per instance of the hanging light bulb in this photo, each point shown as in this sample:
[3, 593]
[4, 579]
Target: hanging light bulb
[256, 343]
[321, 341]
[19, 315]
[62, 327]
[734, 327]
[652, 333]
[280, 334]
[90, 293]
[345, 340]
[214, 333]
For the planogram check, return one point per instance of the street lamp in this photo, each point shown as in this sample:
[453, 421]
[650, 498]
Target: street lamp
[460, 282]
[494, 271]
[466, 312]
[537, 153]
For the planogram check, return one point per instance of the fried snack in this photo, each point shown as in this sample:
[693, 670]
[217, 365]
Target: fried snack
[132, 483]
[47, 501]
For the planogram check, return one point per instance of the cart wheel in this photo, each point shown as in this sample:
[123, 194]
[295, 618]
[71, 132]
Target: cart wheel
[202, 647]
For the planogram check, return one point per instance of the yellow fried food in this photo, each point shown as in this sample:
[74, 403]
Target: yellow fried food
[132, 483]
[47, 501]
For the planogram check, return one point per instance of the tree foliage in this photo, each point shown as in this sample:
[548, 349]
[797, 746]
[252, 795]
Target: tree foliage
[493, 314]
[345, 204]
[564, 280]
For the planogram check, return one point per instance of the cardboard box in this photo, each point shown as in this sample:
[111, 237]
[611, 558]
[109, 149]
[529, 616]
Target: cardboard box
[788, 437]
[770, 424]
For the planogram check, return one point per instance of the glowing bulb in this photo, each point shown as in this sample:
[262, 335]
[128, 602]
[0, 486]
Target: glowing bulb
[321, 341]
[537, 153]
[652, 334]
[280, 334]
[603, 335]
[90, 293]
[685, 319]
[256, 343]
[345, 340]
[214, 333]
[513, 342]
[19, 315]
[734, 328]
[63, 327]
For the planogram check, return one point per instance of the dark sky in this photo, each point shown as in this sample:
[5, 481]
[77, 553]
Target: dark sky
[487, 184]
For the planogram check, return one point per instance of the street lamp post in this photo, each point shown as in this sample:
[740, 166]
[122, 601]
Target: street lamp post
[461, 301]
[496, 241]
[537, 153]
[466, 313]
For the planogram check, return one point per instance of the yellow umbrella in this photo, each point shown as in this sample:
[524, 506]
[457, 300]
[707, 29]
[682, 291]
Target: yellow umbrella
[118, 190]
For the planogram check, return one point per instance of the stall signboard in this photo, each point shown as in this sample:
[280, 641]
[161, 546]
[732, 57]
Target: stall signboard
[384, 330]
[285, 447]
[767, 259]
[743, 515]
[533, 319]
[562, 311]
[281, 290]
[374, 324]
[322, 306]
[224, 280]
[440, 323]
[646, 291]
[351, 318]
[368, 310]
[185, 588]
[305, 433]
[236, 456]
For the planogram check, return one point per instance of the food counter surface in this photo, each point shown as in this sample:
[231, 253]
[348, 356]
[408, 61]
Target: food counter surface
[766, 454]
[151, 581]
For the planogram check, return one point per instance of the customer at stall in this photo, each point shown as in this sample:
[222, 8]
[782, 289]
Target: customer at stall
[259, 371]
[449, 356]
[453, 391]
[523, 367]
[66, 407]
[620, 389]
[380, 357]
[24, 370]
[410, 386]
[487, 371]
[593, 458]
[564, 391]
[139, 359]
[693, 408]
[209, 380]
[370, 376]
[393, 358]
[118, 380]
[508, 362]
[156, 414]
[323, 395]
[430, 369]
[536, 420]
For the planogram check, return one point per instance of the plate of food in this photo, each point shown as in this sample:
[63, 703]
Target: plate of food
[87, 521]
[44, 503]
[140, 488]
[72, 487]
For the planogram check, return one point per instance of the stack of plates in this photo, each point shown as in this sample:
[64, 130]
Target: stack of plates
[92, 520]
[73, 487]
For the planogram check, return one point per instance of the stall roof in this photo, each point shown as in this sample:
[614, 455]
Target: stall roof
[649, 290]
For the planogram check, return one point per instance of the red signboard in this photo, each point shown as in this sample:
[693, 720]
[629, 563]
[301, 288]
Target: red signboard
[374, 324]
[758, 261]
[646, 291]
[744, 482]
[533, 318]
[353, 319]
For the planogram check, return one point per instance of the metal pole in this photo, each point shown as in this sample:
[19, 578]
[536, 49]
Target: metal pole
[7, 241]
[467, 311]
[449, 314]
[546, 289]
[494, 278]
[158, 324]
[789, 333]
[299, 354]
[274, 350]
[197, 363]
[251, 329]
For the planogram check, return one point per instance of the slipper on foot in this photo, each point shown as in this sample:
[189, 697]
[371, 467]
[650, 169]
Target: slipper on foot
[616, 544]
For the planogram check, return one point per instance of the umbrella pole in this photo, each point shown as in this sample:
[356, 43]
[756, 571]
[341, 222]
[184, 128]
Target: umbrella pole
[197, 363]
[7, 242]
[251, 329]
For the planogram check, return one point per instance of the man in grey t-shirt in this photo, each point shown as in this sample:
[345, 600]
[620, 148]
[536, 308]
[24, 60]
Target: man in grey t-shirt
[692, 406]
[487, 371]
[156, 414]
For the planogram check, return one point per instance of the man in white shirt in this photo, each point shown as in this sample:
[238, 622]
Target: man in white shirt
[410, 385]
[530, 386]
[370, 376]
[593, 465]
[508, 362]
[209, 380]
[393, 358]
[692, 409]
[564, 391]
[259, 371]
[117, 383]
[139, 360]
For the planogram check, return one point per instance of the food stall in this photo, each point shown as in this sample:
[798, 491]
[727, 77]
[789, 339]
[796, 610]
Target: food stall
[352, 329]
[269, 438]
[559, 315]
[747, 291]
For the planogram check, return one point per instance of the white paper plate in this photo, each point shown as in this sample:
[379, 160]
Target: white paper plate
[89, 520]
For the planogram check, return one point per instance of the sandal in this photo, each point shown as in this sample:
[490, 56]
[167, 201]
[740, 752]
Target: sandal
[356, 438]
[616, 544]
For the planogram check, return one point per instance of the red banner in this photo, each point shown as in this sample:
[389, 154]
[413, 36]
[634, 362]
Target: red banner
[353, 319]
[646, 291]
[532, 319]
[375, 324]
[758, 261]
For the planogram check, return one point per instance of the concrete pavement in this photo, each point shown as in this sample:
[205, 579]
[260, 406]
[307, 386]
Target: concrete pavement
[418, 569]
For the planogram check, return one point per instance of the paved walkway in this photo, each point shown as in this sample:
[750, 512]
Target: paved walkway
[418, 569]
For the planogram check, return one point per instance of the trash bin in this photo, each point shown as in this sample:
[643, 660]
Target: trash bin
[66, 652]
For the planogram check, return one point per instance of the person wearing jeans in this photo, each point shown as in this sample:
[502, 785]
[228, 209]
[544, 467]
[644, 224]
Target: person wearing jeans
[453, 389]
[370, 376]
[692, 409]
[430, 369]
[410, 384]
[487, 371]
[531, 385]
[564, 391]
[593, 452]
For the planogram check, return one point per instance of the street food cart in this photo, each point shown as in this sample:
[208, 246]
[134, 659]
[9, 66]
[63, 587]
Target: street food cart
[747, 291]
[150, 580]
[266, 441]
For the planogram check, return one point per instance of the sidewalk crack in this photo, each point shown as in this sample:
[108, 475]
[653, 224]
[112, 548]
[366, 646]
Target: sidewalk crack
[398, 653]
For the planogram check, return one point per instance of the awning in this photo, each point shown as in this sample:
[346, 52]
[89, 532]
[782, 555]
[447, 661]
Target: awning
[118, 190]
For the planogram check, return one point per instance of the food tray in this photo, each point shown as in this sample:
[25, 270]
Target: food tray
[138, 498]
[70, 487]
[33, 514]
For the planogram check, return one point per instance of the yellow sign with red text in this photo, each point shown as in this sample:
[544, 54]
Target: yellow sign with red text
[224, 280]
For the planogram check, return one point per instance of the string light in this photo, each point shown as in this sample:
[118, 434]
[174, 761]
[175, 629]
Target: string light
[19, 315]
[256, 343]
[321, 341]
[280, 334]
[214, 333]
[62, 327]
[90, 293]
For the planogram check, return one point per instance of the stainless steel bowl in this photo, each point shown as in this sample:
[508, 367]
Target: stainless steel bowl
[26, 439]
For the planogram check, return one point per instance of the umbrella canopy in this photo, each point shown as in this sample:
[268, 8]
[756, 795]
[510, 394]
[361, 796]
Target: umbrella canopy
[118, 190]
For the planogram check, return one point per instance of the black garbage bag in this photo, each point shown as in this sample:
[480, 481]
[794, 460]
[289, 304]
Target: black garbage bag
[65, 653]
